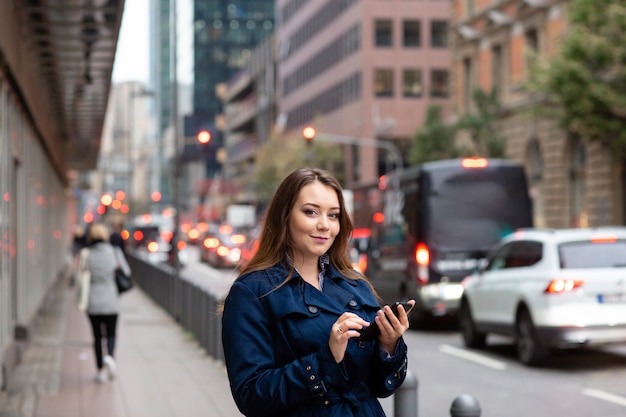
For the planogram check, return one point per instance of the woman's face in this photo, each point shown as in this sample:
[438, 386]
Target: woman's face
[314, 221]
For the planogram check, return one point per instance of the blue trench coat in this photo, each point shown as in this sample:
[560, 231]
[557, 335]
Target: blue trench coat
[277, 355]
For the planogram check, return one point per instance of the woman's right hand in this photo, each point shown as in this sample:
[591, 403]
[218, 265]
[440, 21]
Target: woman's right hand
[347, 326]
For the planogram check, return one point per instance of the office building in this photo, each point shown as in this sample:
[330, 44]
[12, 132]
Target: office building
[225, 33]
[362, 68]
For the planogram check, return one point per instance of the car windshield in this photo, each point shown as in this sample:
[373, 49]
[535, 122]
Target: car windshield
[592, 255]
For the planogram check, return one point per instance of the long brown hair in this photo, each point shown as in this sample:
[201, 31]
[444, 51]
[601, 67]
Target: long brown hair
[274, 240]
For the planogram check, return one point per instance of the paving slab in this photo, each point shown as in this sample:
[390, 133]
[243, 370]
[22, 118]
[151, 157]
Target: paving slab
[162, 371]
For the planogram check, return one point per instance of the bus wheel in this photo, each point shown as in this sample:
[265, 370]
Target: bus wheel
[471, 337]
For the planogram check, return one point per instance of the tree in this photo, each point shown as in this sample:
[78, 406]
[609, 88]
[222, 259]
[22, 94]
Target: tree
[481, 125]
[275, 159]
[278, 157]
[435, 140]
[586, 79]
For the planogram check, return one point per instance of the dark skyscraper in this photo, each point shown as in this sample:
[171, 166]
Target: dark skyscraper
[225, 33]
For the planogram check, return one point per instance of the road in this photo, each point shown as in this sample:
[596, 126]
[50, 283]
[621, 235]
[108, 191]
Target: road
[574, 384]
[216, 281]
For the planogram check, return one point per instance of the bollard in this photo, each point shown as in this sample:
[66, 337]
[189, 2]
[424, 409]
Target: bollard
[465, 405]
[405, 398]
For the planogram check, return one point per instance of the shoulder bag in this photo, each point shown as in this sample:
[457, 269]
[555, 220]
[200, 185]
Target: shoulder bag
[123, 281]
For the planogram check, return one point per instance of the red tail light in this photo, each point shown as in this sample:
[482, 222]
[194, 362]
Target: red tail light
[422, 254]
[422, 257]
[558, 286]
[238, 239]
[223, 251]
[138, 235]
[167, 235]
[193, 234]
[211, 243]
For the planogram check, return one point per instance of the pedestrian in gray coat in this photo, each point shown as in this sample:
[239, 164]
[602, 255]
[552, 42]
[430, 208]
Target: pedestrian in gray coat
[103, 305]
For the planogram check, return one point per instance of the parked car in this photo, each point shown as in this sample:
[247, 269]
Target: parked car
[154, 245]
[222, 246]
[549, 289]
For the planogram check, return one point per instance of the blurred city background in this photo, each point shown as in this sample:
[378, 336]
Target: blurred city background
[177, 120]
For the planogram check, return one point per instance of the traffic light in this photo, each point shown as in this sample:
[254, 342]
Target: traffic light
[308, 133]
[204, 136]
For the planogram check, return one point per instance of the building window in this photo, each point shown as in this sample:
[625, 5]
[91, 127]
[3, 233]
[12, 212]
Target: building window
[412, 33]
[439, 34]
[497, 70]
[439, 83]
[531, 40]
[383, 84]
[467, 84]
[469, 7]
[535, 171]
[577, 184]
[412, 83]
[384, 32]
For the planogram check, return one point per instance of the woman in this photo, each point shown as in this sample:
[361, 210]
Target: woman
[103, 304]
[292, 318]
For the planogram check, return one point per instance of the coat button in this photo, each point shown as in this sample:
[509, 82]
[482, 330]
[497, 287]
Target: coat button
[326, 402]
[313, 309]
[308, 368]
[353, 303]
[312, 377]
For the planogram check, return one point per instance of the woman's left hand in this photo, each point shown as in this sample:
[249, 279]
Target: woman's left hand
[392, 327]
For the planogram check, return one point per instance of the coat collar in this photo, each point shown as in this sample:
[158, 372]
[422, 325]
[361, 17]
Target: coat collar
[340, 294]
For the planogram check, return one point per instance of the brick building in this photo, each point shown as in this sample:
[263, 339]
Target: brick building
[573, 182]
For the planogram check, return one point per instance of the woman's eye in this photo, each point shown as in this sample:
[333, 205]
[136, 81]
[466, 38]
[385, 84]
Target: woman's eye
[334, 215]
[310, 212]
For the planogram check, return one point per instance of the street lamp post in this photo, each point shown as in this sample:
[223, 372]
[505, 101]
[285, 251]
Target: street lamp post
[176, 130]
[310, 133]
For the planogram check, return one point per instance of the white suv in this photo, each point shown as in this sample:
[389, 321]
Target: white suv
[549, 289]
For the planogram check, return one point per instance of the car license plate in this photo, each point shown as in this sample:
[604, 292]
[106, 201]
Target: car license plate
[611, 298]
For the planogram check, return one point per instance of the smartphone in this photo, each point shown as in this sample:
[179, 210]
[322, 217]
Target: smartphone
[372, 331]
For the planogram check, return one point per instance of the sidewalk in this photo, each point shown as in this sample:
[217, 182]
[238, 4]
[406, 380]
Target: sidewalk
[162, 372]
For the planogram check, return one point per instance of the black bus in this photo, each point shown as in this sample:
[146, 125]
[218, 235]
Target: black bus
[433, 224]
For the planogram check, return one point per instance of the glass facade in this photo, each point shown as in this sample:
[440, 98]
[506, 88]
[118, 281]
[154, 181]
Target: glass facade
[225, 33]
[35, 215]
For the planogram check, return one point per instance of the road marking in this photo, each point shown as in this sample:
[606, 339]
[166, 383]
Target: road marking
[473, 357]
[606, 396]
